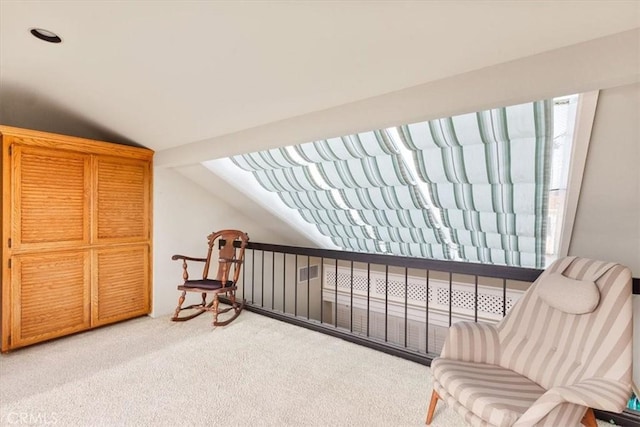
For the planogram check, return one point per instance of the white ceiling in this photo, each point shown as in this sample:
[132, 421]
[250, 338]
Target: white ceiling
[168, 73]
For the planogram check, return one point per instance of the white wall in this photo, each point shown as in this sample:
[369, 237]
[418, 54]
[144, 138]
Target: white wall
[607, 223]
[184, 214]
[263, 225]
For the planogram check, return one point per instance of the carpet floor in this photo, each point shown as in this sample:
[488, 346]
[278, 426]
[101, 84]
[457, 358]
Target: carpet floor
[254, 372]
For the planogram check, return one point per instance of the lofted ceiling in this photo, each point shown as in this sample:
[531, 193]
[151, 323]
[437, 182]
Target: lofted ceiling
[165, 74]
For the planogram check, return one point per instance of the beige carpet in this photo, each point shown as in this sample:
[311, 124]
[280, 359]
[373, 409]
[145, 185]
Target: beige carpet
[255, 372]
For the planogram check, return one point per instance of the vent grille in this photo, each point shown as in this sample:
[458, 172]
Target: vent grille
[487, 303]
[308, 273]
[344, 280]
[490, 300]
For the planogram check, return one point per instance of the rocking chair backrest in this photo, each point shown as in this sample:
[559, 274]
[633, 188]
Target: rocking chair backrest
[228, 254]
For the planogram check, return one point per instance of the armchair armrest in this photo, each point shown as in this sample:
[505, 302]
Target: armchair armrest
[472, 342]
[598, 393]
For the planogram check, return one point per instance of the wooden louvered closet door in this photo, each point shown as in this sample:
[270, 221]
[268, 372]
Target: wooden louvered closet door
[50, 285]
[122, 210]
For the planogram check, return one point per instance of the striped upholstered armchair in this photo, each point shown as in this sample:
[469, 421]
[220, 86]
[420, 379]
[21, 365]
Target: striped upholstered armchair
[565, 347]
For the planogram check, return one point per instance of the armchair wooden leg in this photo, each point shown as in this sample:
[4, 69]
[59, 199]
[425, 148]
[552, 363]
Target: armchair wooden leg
[432, 406]
[589, 419]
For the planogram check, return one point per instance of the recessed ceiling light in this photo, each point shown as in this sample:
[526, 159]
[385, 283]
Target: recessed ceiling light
[46, 35]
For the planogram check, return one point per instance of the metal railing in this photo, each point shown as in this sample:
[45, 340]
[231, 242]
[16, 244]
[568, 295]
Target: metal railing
[394, 304]
[379, 301]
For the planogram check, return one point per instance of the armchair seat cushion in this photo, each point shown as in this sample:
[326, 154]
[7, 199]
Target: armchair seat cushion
[208, 284]
[496, 395]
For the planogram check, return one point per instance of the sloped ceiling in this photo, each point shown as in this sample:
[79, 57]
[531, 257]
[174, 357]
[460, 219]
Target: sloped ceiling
[166, 74]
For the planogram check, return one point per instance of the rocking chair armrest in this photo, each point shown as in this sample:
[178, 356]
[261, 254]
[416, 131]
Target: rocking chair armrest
[188, 258]
[184, 258]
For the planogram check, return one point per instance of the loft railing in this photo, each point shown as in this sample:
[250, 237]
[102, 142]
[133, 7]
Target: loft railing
[398, 305]
[393, 304]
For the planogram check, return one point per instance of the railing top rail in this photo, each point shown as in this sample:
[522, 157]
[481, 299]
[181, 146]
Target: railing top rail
[456, 267]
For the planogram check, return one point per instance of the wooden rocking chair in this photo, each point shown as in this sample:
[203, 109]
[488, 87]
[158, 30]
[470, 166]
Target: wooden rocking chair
[229, 257]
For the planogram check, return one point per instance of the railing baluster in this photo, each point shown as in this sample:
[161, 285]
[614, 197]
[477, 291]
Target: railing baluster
[284, 283]
[504, 297]
[368, 294]
[308, 286]
[335, 290]
[351, 301]
[321, 290]
[406, 303]
[475, 301]
[253, 274]
[426, 314]
[386, 302]
[262, 282]
[244, 274]
[450, 297]
[273, 279]
[295, 289]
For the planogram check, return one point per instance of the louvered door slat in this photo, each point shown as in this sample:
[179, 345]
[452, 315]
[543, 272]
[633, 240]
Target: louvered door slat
[121, 289]
[51, 295]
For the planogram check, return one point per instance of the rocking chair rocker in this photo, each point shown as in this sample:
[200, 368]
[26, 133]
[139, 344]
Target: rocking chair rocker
[229, 256]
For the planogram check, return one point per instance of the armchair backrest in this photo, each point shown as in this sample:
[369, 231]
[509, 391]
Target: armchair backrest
[228, 255]
[557, 337]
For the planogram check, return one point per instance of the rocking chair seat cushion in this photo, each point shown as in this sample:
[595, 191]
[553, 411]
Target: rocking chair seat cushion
[497, 395]
[210, 284]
